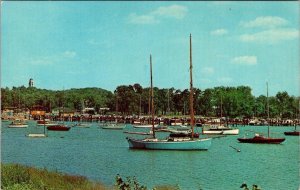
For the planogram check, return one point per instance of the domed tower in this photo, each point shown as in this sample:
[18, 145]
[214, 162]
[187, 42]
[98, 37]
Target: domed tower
[30, 82]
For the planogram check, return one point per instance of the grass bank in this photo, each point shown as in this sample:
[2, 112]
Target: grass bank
[19, 177]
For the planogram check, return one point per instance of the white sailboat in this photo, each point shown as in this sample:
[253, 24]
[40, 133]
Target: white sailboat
[172, 143]
[115, 126]
[18, 123]
[39, 135]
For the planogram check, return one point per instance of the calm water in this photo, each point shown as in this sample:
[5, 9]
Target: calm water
[101, 154]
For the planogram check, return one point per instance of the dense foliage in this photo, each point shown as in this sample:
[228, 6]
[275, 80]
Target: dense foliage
[134, 99]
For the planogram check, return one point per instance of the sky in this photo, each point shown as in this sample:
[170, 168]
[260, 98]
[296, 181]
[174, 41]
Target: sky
[63, 45]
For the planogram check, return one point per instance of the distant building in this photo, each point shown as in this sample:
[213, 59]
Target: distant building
[37, 112]
[90, 111]
[30, 82]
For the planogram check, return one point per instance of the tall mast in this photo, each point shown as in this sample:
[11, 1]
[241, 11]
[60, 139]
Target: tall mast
[149, 101]
[268, 110]
[152, 103]
[221, 110]
[191, 90]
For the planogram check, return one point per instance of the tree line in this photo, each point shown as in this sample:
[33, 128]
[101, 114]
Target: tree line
[134, 99]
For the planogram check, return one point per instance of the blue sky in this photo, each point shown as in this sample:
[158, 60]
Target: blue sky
[64, 45]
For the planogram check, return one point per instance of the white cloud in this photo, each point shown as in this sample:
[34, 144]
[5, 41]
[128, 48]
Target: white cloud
[155, 16]
[41, 61]
[69, 54]
[173, 11]
[219, 32]
[142, 19]
[245, 60]
[265, 22]
[271, 36]
[208, 70]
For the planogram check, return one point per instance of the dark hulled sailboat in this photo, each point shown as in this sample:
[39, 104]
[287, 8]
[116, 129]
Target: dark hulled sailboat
[260, 139]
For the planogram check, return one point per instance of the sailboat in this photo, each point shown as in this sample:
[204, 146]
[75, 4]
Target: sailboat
[114, 126]
[18, 123]
[39, 135]
[295, 132]
[221, 129]
[172, 143]
[292, 133]
[59, 127]
[259, 138]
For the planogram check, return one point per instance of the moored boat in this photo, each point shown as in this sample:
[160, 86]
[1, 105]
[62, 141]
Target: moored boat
[46, 122]
[36, 135]
[260, 139]
[292, 133]
[172, 143]
[18, 124]
[143, 126]
[82, 125]
[221, 130]
[114, 126]
[58, 127]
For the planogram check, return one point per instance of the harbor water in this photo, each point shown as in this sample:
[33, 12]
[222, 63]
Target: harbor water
[101, 154]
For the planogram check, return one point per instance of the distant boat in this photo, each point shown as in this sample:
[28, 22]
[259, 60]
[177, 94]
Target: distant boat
[144, 126]
[58, 127]
[260, 139]
[82, 125]
[172, 143]
[45, 122]
[187, 133]
[113, 126]
[38, 135]
[18, 124]
[221, 130]
[175, 122]
[292, 133]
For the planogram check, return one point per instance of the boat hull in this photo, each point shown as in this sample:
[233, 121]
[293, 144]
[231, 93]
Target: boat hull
[58, 128]
[221, 132]
[112, 126]
[47, 124]
[261, 140]
[231, 132]
[196, 144]
[292, 133]
[143, 126]
[17, 126]
[37, 135]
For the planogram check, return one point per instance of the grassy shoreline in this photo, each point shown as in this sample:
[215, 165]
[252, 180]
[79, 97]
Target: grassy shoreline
[20, 177]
